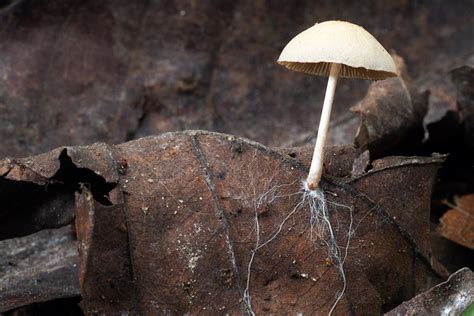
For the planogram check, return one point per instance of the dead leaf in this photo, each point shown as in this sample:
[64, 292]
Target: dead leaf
[450, 102]
[177, 230]
[388, 114]
[39, 193]
[451, 297]
[38, 268]
[337, 159]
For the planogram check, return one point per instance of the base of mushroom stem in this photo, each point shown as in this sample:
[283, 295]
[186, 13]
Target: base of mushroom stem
[310, 191]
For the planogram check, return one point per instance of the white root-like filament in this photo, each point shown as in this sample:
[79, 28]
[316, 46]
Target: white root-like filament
[316, 168]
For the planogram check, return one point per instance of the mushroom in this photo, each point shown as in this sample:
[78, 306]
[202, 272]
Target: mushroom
[335, 49]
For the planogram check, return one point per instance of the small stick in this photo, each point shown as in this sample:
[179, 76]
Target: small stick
[316, 168]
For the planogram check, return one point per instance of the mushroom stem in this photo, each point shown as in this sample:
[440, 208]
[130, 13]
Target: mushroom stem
[316, 168]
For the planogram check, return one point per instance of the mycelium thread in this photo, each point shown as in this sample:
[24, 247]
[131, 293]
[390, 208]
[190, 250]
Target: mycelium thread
[320, 229]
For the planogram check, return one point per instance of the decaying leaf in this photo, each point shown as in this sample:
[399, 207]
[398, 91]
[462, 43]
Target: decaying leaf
[171, 226]
[388, 113]
[105, 245]
[168, 224]
[450, 102]
[38, 268]
[338, 159]
[457, 224]
[448, 298]
[39, 194]
[441, 99]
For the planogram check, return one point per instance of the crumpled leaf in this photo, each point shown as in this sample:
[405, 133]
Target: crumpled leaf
[451, 297]
[457, 224]
[388, 114]
[39, 194]
[441, 100]
[450, 102]
[38, 268]
[175, 233]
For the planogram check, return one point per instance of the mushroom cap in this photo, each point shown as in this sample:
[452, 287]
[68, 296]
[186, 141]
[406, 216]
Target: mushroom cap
[359, 53]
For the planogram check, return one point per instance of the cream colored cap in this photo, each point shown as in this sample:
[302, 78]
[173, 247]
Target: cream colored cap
[361, 55]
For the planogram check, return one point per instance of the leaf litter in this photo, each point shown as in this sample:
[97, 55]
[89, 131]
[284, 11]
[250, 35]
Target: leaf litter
[263, 244]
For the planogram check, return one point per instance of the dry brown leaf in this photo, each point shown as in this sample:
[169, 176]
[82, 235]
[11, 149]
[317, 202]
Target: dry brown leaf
[168, 224]
[38, 268]
[451, 297]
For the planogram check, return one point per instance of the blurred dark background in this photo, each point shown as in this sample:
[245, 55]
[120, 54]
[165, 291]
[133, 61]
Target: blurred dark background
[79, 71]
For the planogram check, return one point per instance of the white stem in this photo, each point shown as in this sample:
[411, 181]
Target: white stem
[316, 168]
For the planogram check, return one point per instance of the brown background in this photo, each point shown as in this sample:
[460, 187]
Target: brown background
[75, 72]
